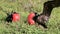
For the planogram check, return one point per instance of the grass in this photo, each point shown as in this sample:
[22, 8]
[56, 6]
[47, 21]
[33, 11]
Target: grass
[24, 7]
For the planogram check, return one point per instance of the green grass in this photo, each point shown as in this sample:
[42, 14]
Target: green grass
[24, 7]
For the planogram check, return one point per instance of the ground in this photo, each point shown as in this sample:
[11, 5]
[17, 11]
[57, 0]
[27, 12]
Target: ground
[24, 7]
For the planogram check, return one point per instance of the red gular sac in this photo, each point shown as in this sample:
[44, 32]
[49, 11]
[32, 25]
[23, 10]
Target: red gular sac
[30, 18]
[15, 17]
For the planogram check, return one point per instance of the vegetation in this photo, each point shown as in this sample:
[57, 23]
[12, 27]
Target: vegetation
[24, 7]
